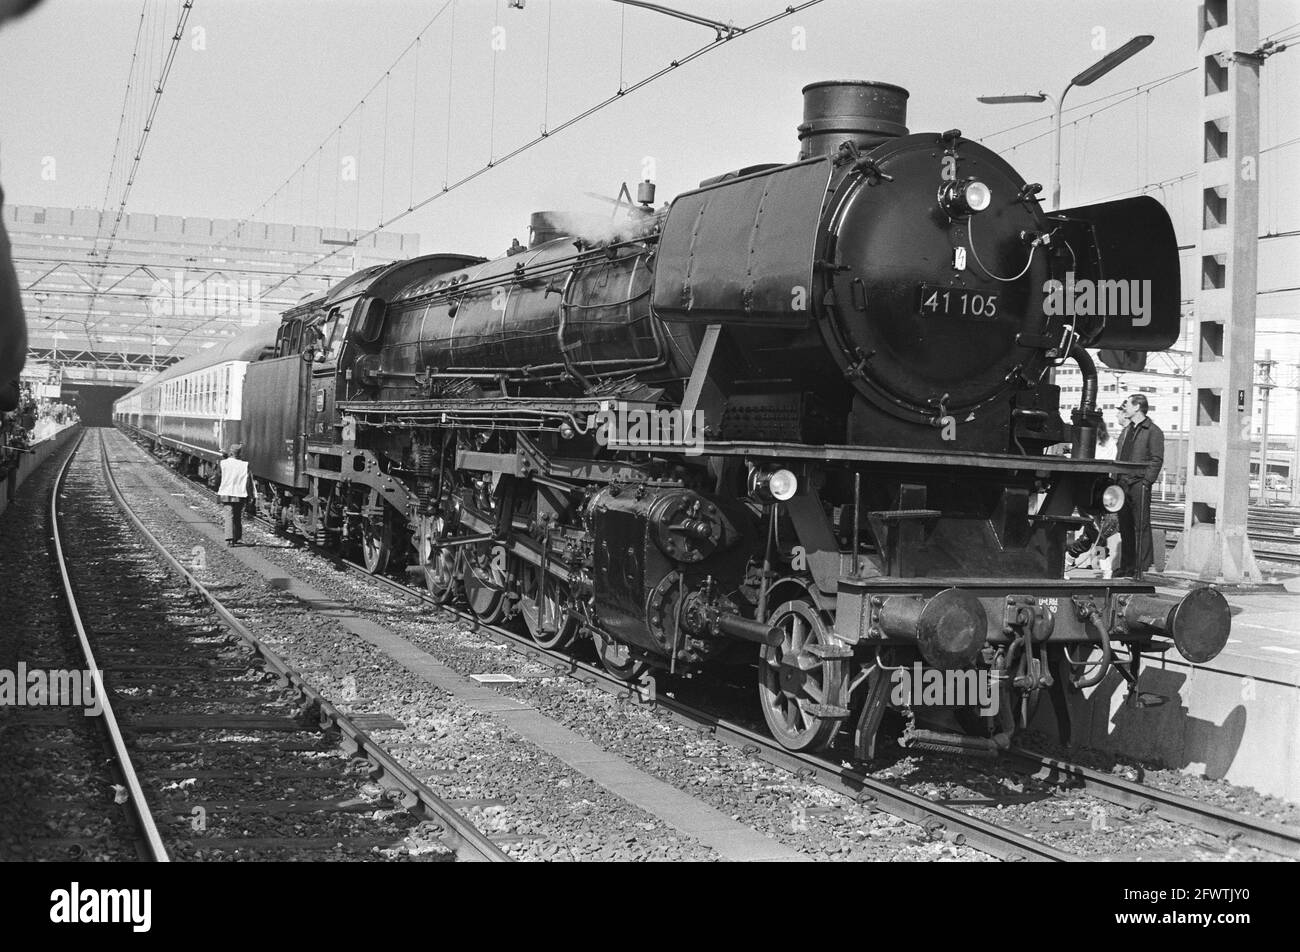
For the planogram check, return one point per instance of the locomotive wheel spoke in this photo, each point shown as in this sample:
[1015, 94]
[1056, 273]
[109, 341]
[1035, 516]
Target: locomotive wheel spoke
[791, 679]
[485, 587]
[546, 613]
[376, 533]
[441, 575]
[617, 659]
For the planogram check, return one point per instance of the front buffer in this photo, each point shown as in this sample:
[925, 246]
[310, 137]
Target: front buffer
[989, 647]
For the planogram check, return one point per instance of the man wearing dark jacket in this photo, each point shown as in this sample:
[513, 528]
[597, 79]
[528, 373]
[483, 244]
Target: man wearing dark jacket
[1141, 442]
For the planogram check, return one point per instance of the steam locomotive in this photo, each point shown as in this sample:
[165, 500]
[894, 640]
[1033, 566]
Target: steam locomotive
[798, 424]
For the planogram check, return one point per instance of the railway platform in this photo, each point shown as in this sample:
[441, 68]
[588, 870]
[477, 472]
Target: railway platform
[1234, 718]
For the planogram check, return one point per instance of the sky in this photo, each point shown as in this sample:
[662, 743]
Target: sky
[264, 91]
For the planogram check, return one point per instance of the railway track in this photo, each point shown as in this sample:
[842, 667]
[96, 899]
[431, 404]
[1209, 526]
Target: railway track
[146, 826]
[1286, 557]
[1218, 821]
[57, 776]
[1270, 528]
[938, 819]
[215, 735]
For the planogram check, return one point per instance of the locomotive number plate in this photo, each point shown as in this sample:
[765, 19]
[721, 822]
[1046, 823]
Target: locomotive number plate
[936, 301]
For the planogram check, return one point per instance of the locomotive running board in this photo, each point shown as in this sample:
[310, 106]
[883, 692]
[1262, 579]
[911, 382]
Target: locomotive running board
[890, 454]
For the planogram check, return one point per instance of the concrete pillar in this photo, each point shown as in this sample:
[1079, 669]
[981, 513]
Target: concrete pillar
[1214, 544]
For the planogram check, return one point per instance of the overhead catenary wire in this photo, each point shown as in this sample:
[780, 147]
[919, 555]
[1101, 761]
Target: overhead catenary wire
[1133, 93]
[121, 122]
[383, 162]
[451, 75]
[450, 186]
[546, 85]
[492, 94]
[149, 107]
[1160, 81]
[415, 102]
[338, 127]
[159, 88]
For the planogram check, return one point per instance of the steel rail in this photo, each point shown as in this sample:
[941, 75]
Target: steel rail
[1263, 834]
[936, 819]
[469, 842]
[1219, 821]
[148, 828]
[1269, 555]
[979, 834]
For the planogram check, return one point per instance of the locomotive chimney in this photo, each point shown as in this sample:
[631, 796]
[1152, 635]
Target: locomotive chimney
[542, 227]
[862, 112]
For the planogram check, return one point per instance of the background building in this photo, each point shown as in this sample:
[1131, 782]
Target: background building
[1167, 388]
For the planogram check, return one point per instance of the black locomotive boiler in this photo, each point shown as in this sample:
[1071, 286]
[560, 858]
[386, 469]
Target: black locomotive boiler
[797, 423]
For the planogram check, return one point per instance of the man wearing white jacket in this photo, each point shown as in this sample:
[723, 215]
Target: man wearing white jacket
[236, 489]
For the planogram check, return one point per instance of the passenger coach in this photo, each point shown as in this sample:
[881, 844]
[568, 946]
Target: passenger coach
[194, 408]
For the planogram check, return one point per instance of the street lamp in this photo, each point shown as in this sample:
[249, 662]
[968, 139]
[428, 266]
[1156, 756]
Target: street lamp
[1086, 78]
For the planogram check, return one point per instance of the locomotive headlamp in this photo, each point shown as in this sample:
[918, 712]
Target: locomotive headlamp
[1112, 499]
[977, 196]
[965, 197]
[772, 485]
[782, 485]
